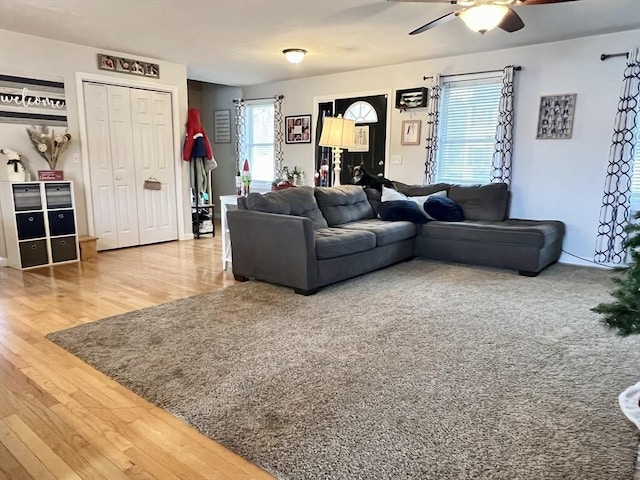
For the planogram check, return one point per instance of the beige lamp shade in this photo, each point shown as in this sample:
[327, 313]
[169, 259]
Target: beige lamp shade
[338, 132]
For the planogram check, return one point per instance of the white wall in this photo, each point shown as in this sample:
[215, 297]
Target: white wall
[552, 179]
[220, 97]
[29, 55]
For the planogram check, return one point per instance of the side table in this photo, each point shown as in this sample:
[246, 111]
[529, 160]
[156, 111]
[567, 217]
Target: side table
[227, 202]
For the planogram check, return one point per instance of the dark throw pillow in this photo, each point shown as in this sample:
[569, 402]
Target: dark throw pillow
[402, 210]
[443, 209]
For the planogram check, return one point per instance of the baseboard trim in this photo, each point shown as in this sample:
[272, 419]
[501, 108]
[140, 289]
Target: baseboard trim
[3, 262]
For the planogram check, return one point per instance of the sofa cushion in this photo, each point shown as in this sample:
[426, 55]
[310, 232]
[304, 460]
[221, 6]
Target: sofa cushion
[375, 197]
[298, 201]
[338, 242]
[386, 232]
[534, 233]
[343, 204]
[402, 210]
[420, 190]
[482, 202]
[442, 208]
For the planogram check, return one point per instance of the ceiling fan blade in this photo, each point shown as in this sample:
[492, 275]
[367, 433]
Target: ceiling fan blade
[511, 22]
[543, 2]
[438, 21]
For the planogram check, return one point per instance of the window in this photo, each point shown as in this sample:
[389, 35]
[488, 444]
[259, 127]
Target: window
[259, 134]
[361, 112]
[466, 137]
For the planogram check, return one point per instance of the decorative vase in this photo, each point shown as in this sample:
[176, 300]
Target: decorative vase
[630, 403]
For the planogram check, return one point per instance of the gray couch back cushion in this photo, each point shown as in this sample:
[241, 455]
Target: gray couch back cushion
[488, 202]
[343, 204]
[298, 201]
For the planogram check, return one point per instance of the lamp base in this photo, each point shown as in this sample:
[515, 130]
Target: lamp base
[337, 152]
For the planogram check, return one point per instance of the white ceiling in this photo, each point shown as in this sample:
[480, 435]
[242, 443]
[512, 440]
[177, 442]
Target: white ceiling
[239, 42]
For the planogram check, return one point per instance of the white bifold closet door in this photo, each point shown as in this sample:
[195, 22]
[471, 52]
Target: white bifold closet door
[130, 140]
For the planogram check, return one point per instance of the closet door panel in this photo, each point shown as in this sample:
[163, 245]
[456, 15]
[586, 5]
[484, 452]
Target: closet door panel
[100, 166]
[153, 150]
[123, 161]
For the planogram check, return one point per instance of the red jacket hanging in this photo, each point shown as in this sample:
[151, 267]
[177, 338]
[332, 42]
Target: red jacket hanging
[196, 143]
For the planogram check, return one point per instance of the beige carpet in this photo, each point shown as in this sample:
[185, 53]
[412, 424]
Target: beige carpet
[422, 371]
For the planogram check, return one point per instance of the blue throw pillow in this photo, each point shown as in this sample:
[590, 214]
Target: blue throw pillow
[402, 210]
[443, 209]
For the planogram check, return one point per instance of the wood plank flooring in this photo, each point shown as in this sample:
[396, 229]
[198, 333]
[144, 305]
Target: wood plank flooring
[60, 418]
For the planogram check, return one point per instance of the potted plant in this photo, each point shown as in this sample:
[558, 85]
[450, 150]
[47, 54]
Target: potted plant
[623, 314]
[49, 146]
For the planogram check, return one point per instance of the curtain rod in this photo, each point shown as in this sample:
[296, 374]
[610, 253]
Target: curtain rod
[606, 56]
[276, 97]
[517, 68]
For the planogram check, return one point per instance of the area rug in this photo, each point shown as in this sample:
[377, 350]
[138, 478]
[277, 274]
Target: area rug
[422, 371]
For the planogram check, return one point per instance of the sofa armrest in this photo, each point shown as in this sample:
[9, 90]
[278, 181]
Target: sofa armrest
[275, 248]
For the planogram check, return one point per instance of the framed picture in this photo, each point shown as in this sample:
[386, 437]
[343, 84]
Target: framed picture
[298, 129]
[222, 126]
[411, 98]
[555, 119]
[361, 139]
[411, 132]
[126, 65]
[106, 62]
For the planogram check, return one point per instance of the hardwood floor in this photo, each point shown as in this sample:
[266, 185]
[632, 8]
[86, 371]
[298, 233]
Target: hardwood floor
[60, 418]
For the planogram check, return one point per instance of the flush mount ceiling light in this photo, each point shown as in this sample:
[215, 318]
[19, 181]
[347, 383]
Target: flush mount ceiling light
[483, 18]
[294, 55]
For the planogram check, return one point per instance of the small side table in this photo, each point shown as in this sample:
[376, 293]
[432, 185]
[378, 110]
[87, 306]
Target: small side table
[227, 202]
[88, 249]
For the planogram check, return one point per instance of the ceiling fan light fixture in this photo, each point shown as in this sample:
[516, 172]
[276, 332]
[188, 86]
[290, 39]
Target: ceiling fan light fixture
[294, 55]
[483, 18]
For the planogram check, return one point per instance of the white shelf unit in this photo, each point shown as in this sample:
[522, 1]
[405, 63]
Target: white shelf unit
[39, 222]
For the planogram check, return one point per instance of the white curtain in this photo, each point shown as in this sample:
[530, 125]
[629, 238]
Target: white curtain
[501, 166]
[616, 201]
[433, 112]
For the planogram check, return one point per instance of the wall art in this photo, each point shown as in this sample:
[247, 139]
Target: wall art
[222, 126]
[127, 65]
[29, 100]
[555, 120]
[298, 129]
[361, 139]
[411, 132]
[411, 98]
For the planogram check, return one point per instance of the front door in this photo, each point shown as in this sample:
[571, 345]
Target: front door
[370, 115]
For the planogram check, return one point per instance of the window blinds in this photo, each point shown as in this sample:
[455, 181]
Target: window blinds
[260, 138]
[466, 140]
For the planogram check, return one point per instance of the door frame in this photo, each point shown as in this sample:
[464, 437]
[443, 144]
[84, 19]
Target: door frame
[82, 126]
[325, 98]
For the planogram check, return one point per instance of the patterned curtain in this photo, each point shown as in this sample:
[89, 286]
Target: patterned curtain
[241, 135]
[501, 171]
[278, 137]
[616, 202]
[433, 112]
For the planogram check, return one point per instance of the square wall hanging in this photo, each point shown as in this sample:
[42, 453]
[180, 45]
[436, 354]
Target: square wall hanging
[298, 129]
[555, 120]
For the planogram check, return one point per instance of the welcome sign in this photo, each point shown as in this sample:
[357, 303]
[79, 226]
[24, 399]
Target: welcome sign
[31, 101]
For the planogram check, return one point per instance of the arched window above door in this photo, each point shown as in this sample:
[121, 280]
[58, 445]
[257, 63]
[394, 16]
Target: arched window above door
[361, 112]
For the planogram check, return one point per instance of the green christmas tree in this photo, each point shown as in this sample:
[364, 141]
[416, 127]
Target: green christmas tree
[623, 315]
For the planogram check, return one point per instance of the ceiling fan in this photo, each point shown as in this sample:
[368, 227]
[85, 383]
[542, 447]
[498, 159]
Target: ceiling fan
[482, 15]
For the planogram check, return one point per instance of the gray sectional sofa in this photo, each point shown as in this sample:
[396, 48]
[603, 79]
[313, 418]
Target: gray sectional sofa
[306, 238]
